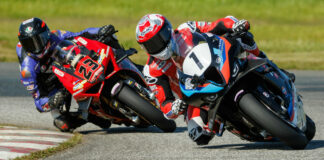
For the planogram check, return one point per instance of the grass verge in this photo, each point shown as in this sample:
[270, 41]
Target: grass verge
[76, 139]
[291, 32]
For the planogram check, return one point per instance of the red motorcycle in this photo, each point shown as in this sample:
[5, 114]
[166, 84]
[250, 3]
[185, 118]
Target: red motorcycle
[106, 84]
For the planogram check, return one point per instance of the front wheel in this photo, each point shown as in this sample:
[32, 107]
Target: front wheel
[271, 123]
[311, 128]
[145, 109]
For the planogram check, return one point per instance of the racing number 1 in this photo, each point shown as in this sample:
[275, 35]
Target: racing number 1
[194, 57]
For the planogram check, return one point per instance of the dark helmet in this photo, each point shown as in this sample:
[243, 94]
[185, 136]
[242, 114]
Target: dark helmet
[34, 36]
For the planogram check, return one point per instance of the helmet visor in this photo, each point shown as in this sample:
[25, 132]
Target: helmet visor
[159, 41]
[36, 43]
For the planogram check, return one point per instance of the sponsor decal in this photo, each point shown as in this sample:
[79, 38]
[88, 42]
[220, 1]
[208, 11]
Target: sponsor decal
[150, 80]
[29, 29]
[284, 91]
[75, 82]
[79, 85]
[130, 82]
[82, 41]
[166, 67]
[188, 84]
[102, 55]
[235, 70]
[266, 94]
[27, 83]
[63, 32]
[58, 72]
[153, 88]
[30, 87]
[276, 75]
[76, 93]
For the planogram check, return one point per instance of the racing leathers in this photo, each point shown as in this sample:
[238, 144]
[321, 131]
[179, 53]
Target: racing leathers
[36, 75]
[162, 78]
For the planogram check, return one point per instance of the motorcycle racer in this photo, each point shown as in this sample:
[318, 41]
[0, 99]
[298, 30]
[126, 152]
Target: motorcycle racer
[34, 51]
[154, 33]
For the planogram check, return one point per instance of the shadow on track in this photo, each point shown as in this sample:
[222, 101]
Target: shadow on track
[314, 144]
[120, 130]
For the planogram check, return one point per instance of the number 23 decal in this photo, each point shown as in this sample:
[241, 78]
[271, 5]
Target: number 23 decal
[87, 67]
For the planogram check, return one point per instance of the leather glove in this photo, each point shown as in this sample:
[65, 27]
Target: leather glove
[105, 31]
[106, 35]
[177, 108]
[57, 100]
[241, 27]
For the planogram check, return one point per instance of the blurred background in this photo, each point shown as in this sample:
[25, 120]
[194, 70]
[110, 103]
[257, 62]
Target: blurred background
[290, 31]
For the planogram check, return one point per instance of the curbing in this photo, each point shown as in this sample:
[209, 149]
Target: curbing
[17, 142]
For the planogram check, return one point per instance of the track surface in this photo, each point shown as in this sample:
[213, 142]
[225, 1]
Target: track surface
[120, 142]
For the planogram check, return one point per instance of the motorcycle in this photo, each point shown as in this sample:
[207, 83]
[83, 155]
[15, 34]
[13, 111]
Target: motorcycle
[120, 94]
[248, 96]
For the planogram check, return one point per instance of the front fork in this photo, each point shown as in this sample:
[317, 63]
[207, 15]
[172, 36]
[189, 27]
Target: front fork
[212, 116]
[140, 89]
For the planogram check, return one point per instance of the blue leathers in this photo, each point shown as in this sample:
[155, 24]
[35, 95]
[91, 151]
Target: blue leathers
[36, 75]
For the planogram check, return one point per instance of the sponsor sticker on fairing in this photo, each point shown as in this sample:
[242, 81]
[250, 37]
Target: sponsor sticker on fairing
[82, 41]
[58, 72]
[79, 85]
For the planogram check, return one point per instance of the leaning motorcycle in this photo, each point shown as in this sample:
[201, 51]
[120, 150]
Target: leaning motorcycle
[250, 97]
[120, 94]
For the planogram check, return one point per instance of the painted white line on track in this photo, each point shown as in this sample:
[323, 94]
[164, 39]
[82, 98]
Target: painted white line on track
[10, 155]
[26, 145]
[34, 131]
[58, 140]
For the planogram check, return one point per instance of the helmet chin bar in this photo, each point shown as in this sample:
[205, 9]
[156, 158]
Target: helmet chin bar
[166, 53]
[170, 50]
[45, 51]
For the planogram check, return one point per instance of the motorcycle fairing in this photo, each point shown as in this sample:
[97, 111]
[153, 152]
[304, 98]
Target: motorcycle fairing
[206, 88]
[202, 57]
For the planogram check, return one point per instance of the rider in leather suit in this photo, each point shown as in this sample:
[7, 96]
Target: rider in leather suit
[154, 33]
[34, 50]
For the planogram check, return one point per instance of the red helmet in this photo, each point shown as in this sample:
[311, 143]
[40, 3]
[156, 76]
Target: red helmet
[154, 33]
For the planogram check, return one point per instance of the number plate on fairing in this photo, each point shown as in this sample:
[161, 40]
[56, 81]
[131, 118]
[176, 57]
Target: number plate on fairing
[197, 60]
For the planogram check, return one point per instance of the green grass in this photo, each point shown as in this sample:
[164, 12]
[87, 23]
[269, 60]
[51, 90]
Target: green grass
[289, 31]
[76, 139]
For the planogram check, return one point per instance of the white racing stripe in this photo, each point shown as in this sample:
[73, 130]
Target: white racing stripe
[10, 155]
[51, 139]
[34, 131]
[25, 145]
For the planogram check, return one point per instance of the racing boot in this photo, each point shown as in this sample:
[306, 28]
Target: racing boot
[198, 134]
[67, 123]
[100, 122]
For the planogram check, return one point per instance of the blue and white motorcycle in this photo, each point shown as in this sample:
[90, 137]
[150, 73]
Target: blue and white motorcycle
[251, 97]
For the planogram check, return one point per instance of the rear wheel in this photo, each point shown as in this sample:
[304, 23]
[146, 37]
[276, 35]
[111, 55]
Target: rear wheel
[271, 123]
[145, 109]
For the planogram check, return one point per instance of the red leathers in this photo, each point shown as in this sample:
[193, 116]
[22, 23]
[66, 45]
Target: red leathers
[160, 70]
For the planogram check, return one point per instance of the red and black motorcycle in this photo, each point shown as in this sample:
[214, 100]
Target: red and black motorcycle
[106, 84]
